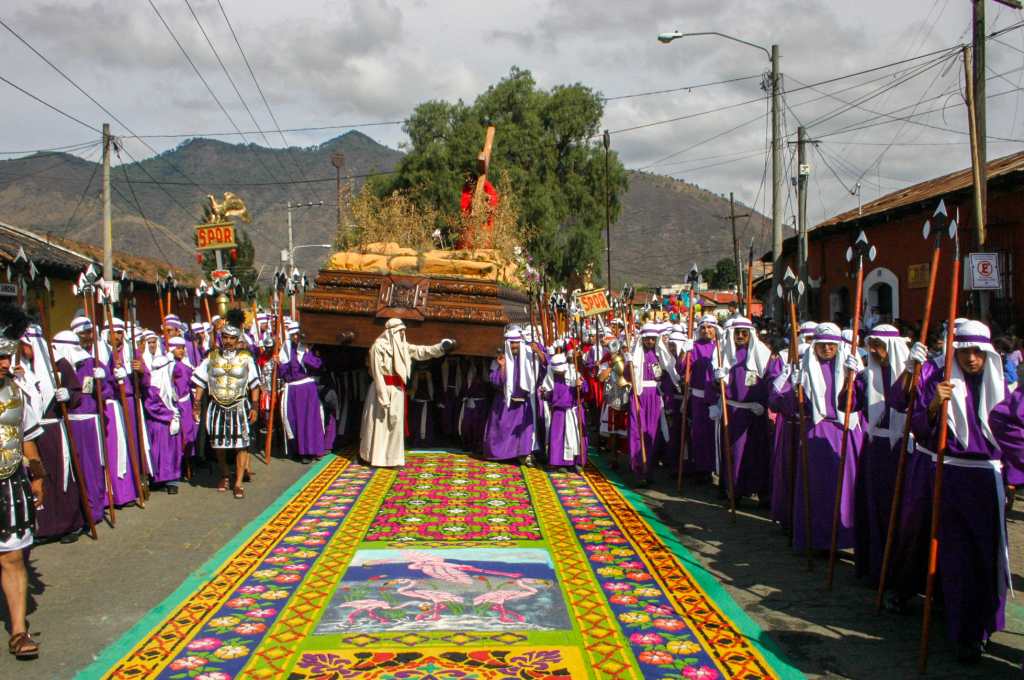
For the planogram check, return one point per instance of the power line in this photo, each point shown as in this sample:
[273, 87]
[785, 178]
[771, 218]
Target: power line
[138, 206]
[51, 106]
[314, 180]
[81, 199]
[686, 88]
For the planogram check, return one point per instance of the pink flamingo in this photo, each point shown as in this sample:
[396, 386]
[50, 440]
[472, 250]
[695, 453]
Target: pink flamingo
[435, 566]
[370, 607]
[437, 598]
[498, 598]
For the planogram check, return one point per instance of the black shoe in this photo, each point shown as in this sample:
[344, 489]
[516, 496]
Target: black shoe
[305, 461]
[172, 489]
[969, 653]
[69, 538]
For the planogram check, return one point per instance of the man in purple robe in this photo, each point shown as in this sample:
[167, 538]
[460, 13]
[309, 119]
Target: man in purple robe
[122, 423]
[883, 436]
[181, 377]
[61, 517]
[422, 408]
[748, 370]
[163, 424]
[648, 427]
[510, 433]
[822, 374]
[701, 448]
[472, 416]
[197, 345]
[299, 368]
[450, 399]
[984, 433]
[566, 443]
[74, 347]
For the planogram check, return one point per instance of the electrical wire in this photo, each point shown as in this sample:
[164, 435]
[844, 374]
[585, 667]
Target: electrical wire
[686, 88]
[51, 106]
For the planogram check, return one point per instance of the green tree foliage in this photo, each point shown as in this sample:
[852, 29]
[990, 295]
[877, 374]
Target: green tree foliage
[547, 143]
[242, 266]
[723, 275]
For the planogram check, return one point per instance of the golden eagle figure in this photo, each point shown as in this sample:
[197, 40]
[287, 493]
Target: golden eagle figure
[231, 206]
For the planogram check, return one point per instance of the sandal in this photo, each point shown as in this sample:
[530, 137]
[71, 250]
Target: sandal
[224, 485]
[23, 647]
[239, 492]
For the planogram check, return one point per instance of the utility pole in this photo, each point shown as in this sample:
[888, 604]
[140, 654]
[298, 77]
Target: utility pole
[803, 173]
[607, 140]
[291, 242]
[777, 195]
[736, 246]
[338, 161]
[108, 234]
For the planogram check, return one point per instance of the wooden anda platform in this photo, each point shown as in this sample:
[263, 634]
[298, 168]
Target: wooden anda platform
[472, 312]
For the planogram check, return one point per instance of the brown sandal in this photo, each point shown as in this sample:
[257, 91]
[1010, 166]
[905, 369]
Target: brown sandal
[239, 492]
[224, 485]
[23, 647]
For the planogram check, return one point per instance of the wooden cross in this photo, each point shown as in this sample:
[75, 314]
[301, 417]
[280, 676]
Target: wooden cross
[483, 164]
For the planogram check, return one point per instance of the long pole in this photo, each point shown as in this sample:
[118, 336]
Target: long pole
[291, 241]
[133, 440]
[108, 234]
[607, 209]
[683, 429]
[729, 472]
[55, 375]
[778, 196]
[851, 376]
[940, 454]
[735, 245]
[634, 380]
[273, 381]
[101, 404]
[804, 462]
[802, 176]
[976, 123]
[129, 318]
[901, 463]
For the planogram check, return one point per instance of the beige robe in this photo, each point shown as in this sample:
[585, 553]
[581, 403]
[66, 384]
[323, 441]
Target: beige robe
[382, 438]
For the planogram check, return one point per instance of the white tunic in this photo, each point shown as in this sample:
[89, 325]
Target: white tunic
[382, 439]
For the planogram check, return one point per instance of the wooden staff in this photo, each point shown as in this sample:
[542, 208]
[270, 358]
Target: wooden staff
[133, 442]
[128, 308]
[76, 465]
[860, 250]
[794, 285]
[160, 299]
[683, 429]
[579, 378]
[273, 379]
[730, 484]
[636, 398]
[940, 455]
[750, 281]
[101, 403]
[901, 464]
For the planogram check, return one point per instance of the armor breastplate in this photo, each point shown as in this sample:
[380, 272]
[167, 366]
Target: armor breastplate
[228, 377]
[12, 405]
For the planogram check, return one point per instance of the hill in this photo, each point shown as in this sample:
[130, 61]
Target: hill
[666, 224]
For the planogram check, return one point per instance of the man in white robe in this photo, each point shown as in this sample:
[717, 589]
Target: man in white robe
[381, 442]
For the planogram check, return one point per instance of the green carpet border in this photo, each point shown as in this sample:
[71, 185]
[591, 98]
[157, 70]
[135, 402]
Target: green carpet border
[705, 579]
[116, 650]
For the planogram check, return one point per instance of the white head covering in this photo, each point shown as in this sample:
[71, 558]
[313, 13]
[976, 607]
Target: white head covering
[758, 353]
[105, 346]
[665, 360]
[397, 348]
[527, 366]
[40, 366]
[66, 346]
[814, 380]
[993, 388]
[896, 347]
[80, 324]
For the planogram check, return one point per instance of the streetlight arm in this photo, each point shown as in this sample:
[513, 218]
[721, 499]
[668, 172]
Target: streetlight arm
[669, 37]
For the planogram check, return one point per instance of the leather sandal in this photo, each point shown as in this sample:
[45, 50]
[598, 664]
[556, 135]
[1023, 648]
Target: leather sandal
[239, 492]
[23, 647]
[225, 484]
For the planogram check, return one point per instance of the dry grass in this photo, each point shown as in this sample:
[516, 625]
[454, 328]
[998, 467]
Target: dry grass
[395, 218]
[494, 228]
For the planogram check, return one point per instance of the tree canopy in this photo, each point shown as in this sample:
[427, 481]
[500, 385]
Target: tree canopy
[548, 146]
[723, 275]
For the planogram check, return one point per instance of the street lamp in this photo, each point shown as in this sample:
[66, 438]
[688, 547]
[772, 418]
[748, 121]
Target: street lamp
[291, 245]
[773, 56]
[288, 254]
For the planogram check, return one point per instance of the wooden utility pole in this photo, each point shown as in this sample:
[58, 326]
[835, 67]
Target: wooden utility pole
[736, 246]
[977, 164]
[341, 237]
[108, 234]
[607, 142]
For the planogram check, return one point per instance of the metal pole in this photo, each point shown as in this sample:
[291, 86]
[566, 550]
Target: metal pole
[735, 247]
[108, 234]
[777, 195]
[802, 175]
[607, 210]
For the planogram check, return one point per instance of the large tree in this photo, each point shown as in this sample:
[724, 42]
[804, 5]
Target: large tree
[548, 147]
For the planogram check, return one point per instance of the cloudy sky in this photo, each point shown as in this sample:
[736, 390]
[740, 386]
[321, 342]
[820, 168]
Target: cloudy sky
[344, 62]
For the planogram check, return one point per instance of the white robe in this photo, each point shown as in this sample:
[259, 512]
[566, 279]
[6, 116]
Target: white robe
[382, 437]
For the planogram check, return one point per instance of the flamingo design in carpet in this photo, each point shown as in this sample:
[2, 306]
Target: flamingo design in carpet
[498, 599]
[439, 599]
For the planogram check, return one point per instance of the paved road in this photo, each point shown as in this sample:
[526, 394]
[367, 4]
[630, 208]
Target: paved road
[825, 634]
[85, 595]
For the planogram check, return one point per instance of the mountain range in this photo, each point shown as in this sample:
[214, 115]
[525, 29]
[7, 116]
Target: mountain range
[666, 224]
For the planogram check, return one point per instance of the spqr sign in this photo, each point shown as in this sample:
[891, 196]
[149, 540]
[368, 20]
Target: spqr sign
[982, 272]
[215, 236]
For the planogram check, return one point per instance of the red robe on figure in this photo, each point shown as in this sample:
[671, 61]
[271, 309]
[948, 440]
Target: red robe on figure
[466, 241]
